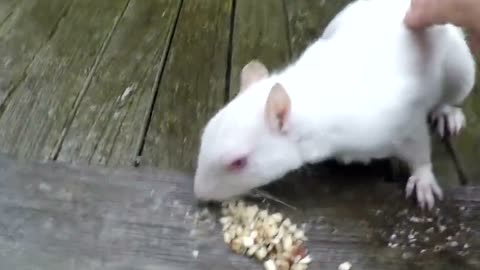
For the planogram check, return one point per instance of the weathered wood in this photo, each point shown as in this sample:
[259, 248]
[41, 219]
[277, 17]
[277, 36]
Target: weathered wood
[40, 109]
[23, 31]
[307, 19]
[467, 143]
[260, 32]
[358, 214]
[443, 163]
[108, 125]
[57, 216]
[6, 9]
[192, 86]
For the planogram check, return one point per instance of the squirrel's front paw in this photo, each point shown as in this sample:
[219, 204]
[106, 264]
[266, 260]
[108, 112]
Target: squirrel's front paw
[426, 187]
[448, 120]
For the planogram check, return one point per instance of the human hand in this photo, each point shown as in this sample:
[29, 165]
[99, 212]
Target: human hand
[462, 13]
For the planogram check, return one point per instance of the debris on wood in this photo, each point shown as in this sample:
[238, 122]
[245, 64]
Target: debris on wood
[265, 195]
[269, 237]
[128, 91]
[421, 233]
[345, 266]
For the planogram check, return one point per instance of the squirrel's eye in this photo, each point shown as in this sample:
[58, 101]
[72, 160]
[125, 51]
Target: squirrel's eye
[237, 164]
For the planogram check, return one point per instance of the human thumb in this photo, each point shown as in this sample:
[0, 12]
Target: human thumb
[422, 14]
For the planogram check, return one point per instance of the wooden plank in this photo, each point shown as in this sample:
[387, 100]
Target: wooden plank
[6, 9]
[192, 86]
[467, 144]
[39, 110]
[108, 125]
[260, 32]
[58, 216]
[23, 31]
[443, 164]
[307, 19]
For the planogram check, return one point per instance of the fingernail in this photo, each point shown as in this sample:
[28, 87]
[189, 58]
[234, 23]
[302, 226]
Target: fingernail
[411, 20]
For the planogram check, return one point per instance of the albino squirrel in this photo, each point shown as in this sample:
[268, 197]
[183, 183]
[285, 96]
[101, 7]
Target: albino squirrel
[363, 90]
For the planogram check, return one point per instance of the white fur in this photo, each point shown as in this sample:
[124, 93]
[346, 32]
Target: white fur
[363, 90]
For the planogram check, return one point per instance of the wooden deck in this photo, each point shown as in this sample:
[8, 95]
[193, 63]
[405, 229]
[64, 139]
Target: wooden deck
[101, 107]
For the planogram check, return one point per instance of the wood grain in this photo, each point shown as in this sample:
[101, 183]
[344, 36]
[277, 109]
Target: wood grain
[107, 127]
[6, 10]
[307, 19]
[38, 111]
[260, 32]
[192, 86]
[467, 144]
[23, 31]
[58, 216]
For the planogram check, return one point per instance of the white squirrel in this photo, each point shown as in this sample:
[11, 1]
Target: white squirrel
[362, 91]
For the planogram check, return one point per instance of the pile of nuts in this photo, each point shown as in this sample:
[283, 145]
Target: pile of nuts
[270, 238]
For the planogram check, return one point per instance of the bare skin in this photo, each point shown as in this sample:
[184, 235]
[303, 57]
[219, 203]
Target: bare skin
[462, 13]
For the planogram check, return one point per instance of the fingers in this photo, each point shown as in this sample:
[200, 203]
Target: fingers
[422, 13]
[425, 13]
[462, 13]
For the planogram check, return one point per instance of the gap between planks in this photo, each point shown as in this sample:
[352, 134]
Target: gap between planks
[155, 89]
[58, 147]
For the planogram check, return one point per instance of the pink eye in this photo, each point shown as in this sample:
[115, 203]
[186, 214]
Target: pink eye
[237, 164]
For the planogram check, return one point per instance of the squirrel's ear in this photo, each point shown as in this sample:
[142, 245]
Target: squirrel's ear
[251, 73]
[277, 109]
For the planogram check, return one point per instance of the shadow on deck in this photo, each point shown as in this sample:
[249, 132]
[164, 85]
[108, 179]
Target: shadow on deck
[91, 86]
